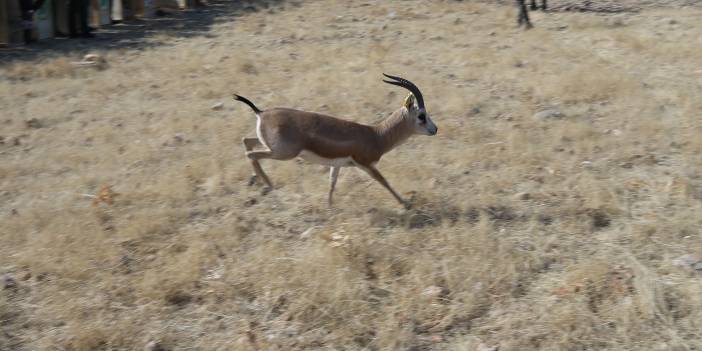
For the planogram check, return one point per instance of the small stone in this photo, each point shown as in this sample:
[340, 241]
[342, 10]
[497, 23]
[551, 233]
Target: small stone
[218, 106]
[686, 261]
[586, 164]
[8, 282]
[522, 196]
[154, 346]
[483, 347]
[250, 202]
[179, 137]
[544, 219]
[432, 292]
[600, 219]
[33, 123]
[546, 114]
[421, 220]
[178, 298]
[307, 233]
[616, 22]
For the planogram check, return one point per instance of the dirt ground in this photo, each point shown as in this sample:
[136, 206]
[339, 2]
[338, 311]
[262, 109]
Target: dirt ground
[558, 208]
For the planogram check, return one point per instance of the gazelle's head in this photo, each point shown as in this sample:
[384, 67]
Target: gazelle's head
[414, 104]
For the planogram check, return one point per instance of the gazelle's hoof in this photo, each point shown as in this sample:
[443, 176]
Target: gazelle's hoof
[252, 180]
[407, 205]
[266, 189]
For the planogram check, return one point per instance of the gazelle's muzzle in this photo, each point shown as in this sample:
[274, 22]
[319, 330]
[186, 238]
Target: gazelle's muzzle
[432, 129]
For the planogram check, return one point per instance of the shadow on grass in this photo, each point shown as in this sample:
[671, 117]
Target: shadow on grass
[134, 34]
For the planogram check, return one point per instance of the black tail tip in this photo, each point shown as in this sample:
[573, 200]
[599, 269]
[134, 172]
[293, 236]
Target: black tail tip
[246, 101]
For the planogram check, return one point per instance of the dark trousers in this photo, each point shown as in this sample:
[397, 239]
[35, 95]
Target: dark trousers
[78, 17]
[27, 9]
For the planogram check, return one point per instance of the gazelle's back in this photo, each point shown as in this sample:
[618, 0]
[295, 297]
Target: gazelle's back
[329, 136]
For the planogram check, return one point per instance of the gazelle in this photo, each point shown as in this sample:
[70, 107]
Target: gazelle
[284, 134]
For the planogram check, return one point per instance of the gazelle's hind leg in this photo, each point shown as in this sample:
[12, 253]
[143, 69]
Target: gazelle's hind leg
[255, 156]
[333, 174]
[249, 145]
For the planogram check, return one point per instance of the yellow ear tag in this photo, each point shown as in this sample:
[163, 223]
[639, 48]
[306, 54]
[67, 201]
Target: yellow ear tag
[409, 101]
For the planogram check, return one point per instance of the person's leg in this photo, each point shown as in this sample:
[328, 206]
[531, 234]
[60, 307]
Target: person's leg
[61, 18]
[27, 19]
[4, 24]
[84, 28]
[117, 11]
[72, 17]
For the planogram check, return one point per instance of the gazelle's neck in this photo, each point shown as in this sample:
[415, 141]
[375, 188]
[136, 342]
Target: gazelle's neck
[394, 130]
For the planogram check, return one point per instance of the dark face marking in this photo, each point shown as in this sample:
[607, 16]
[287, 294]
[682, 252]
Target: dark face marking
[422, 117]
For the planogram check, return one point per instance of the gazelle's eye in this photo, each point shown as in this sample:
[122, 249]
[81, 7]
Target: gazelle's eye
[422, 117]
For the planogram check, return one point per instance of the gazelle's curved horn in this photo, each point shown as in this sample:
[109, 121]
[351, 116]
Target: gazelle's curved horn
[407, 85]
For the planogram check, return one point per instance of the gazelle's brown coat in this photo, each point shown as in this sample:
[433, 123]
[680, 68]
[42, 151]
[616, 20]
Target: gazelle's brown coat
[285, 133]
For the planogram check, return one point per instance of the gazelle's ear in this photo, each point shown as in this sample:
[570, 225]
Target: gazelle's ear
[409, 102]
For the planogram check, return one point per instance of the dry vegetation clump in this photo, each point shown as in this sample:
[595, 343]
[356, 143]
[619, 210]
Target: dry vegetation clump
[557, 209]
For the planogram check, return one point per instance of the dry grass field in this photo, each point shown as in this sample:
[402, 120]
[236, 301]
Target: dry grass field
[558, 208]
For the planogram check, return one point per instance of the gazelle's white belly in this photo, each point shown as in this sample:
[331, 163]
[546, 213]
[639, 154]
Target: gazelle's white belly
[310, 156]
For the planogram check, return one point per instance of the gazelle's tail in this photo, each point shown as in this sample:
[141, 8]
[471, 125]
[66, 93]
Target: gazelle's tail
[248, 102]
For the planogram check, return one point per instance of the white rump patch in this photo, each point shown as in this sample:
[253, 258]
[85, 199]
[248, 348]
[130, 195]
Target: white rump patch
[259, 134]
[310, 156]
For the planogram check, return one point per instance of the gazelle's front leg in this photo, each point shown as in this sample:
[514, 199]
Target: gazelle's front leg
[333, 174]
[375, 174]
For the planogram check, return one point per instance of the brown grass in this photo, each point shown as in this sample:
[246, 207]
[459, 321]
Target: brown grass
[528, 234]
